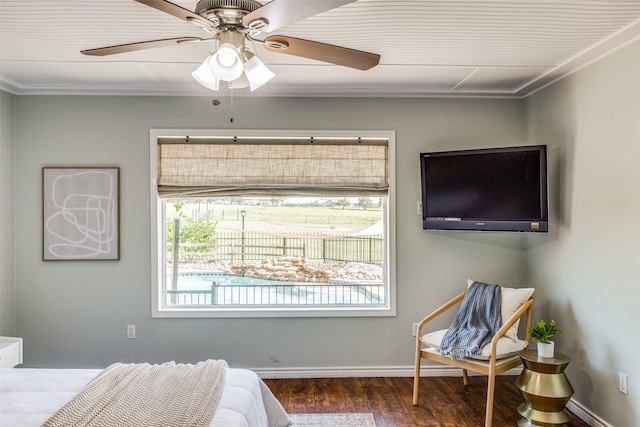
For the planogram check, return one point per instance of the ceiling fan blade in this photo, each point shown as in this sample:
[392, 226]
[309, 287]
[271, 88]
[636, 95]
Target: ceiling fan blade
[324, 52]
[279, 13]
[131, 47]
[177, 11]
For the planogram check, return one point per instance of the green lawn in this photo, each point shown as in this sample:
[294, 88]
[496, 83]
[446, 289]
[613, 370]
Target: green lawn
[284, 219]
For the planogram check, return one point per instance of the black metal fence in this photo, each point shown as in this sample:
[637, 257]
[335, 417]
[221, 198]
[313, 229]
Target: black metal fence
[294, 294]
[251, 246]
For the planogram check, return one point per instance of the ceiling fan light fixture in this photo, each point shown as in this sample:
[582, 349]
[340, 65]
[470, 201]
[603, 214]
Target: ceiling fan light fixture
[205, 76]
[225, 63]
[239, 83]
[257, 73]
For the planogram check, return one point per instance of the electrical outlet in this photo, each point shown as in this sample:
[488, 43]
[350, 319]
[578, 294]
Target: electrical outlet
[414, 330]
[419, 210]
[623, 383]
[131, 331]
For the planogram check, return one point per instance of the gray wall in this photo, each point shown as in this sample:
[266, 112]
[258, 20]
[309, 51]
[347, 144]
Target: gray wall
[7, 237]
[586, 271]
[74, 314]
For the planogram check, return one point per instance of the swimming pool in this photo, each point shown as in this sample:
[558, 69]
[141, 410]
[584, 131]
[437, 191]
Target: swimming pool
[219, 289]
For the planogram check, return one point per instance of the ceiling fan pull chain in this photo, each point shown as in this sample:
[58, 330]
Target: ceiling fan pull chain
[231, 106]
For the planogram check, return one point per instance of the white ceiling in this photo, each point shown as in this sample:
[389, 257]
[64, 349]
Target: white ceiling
[428, 48]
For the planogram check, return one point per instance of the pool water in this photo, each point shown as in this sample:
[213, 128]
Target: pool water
[203, 281]
[236, 290]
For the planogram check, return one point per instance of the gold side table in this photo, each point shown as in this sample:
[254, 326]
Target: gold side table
[545, 390]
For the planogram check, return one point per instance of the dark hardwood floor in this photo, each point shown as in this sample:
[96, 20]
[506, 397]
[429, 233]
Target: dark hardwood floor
[444, 401]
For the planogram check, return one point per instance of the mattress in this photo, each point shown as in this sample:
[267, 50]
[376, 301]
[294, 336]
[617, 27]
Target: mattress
[28, 397]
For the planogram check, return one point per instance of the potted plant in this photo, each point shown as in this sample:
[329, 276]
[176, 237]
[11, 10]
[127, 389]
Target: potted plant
[541, 334]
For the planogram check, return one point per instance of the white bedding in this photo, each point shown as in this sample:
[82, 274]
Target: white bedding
[28, 397]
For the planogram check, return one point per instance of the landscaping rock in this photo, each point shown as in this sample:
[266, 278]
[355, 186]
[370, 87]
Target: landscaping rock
[295, 269]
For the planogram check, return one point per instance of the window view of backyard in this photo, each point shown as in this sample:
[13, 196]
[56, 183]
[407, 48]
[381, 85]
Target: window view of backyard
[288, 251]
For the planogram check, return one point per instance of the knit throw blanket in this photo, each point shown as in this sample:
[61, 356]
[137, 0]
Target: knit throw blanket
[147, 395]
[477, 321]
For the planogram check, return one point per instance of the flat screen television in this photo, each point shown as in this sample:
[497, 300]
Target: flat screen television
[495, 189]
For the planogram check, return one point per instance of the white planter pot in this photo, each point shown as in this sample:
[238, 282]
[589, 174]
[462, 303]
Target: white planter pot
[546, 349]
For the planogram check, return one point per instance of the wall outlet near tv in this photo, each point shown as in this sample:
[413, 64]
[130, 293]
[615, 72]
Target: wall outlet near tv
[623, 383]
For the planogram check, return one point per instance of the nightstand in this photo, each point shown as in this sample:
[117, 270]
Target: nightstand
[10, 352]
[545, 389]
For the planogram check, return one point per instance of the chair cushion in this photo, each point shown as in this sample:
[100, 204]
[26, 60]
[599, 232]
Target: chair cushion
[506, 346]
[512, 299]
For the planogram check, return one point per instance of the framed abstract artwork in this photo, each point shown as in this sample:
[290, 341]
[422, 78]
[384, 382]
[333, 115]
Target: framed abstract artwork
[80, 213]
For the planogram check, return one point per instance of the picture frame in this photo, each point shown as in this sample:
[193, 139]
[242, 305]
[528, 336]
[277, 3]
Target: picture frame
[80, 213]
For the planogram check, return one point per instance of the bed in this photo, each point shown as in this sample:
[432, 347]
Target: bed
[29, 397]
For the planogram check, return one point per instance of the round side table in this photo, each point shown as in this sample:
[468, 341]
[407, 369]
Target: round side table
[545, 390]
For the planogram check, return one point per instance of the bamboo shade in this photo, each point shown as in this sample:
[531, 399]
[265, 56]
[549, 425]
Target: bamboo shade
[224, 167]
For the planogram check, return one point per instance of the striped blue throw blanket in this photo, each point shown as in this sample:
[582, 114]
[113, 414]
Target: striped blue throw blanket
[477, 321]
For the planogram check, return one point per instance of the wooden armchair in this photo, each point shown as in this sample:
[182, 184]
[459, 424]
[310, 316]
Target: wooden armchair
[496, 363]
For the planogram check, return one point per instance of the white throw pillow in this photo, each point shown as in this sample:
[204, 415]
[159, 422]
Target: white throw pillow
[512, 299]
[506, 347]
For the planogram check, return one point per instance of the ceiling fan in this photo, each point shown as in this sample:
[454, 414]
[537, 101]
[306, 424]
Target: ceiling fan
[231, 23]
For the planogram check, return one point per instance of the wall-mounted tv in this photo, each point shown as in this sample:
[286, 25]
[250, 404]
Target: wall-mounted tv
[495, 189]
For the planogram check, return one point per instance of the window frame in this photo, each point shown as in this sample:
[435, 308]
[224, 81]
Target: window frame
[158, 235]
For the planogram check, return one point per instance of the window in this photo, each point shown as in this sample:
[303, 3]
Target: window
[272, 223]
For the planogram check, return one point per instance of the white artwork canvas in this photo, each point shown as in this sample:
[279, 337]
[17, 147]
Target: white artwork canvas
[81, 213]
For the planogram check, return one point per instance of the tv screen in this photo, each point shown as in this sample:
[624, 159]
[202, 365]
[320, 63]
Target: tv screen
[495, 189]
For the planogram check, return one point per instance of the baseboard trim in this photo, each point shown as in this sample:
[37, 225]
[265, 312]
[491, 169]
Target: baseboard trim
[370, 371]
[586, 415]
[408, 371]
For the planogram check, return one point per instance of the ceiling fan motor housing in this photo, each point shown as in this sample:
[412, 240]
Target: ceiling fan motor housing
[226, 12]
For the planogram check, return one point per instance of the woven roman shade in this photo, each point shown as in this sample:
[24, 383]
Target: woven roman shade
[213, 167]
